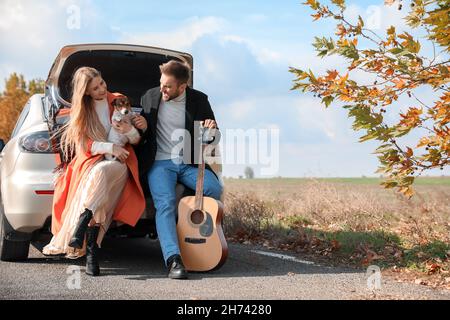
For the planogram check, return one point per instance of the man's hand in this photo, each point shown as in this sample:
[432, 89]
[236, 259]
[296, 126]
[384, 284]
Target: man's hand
[139, 122]
[209, 123]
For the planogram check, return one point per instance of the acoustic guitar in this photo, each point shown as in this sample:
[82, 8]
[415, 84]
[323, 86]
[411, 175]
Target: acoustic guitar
[202, 244]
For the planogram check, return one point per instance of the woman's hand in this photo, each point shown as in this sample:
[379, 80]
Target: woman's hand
[139, 122]
[120, 153]
[122, 127]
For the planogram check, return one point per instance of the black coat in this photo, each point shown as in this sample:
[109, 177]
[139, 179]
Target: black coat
[197, 109]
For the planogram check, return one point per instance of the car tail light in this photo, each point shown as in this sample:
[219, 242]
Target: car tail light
[44, 192]
[36, 142]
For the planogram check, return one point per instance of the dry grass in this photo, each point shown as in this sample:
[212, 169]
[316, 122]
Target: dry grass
[353, 221]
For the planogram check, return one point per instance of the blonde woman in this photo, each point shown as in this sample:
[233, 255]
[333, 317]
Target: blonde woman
[93, 191]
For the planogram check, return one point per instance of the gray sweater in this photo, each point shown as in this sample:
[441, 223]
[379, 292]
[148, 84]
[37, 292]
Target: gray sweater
[170, 128]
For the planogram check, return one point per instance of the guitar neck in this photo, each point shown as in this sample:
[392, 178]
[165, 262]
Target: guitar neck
[200, 182]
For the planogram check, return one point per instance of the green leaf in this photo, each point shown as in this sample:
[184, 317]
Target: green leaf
[339, 3]
[327, 100]
[389, 184]
[312, 77]
[368, 136]
[349, 52]
[407, 180]
[360, 22]
[383, 148]
[396, 51]
[400, 131]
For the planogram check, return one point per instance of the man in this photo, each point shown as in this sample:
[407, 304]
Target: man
[171, 111]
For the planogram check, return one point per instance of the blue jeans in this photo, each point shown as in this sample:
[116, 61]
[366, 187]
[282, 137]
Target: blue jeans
[162, 179]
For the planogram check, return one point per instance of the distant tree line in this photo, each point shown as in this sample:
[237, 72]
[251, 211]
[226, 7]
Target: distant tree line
[12, 100]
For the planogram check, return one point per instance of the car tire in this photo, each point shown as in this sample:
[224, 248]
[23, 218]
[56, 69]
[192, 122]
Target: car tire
[11, 250]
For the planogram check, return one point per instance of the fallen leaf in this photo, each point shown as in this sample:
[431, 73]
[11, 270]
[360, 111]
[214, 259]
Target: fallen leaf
[335, 245]
[433, 268]
[398, 254]
[420, 281]
[420, 254]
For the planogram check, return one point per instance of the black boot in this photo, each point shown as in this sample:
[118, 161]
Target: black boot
[80, 231]
[176, 267]
[92, 267]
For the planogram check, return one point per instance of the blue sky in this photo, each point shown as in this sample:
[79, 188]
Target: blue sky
[242, 52]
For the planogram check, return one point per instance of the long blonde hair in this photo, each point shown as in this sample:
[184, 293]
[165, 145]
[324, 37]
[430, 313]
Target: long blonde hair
[84, 123]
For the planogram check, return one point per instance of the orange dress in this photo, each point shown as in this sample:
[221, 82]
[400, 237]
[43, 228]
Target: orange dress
[109, 188]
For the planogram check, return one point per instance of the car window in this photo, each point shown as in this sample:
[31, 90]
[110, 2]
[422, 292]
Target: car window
[21, 119]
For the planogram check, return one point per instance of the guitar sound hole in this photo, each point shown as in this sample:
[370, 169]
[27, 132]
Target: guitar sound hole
[197, 216]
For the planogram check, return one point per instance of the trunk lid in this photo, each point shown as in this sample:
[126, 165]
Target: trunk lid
[129, 69]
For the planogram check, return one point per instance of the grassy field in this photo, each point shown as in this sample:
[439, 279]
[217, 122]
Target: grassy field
[348, 220]
[444, 180]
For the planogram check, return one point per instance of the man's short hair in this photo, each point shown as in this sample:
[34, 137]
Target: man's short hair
[177, 69]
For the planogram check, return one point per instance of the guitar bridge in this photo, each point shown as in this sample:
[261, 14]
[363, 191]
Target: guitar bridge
[194, 240]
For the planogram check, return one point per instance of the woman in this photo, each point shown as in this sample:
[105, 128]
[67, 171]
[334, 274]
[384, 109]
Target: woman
[92, 191]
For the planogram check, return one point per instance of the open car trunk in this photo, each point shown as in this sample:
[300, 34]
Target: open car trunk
[128, 69]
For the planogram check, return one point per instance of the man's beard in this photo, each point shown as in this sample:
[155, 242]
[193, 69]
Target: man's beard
[175, 95]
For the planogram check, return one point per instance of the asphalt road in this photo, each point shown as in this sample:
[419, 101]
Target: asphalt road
[133, 269]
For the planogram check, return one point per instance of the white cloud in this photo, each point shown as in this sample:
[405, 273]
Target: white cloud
[300, 119]
[234, 38]
[182, 37]
[378, 17]
[313, 116]
[267, 55]
[327, 160]
[240, 110]
[13, 13]
[257, 17]
[32, 33]
[262, 53]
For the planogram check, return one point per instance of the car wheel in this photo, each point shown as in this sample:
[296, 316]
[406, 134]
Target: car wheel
[11, 250]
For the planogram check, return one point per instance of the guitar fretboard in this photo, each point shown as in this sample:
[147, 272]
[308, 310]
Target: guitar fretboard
[200, 182]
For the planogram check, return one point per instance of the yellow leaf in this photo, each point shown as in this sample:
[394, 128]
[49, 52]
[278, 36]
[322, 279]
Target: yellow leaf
[345, 98]
[332, 74]
[423, 142]
[316, 16]
[391, 30]
[409, 152]
[407, 191]
[342, 79]
[373, 92]
[341, 31]
[399, 83]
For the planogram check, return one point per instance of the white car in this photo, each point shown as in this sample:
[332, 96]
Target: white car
[28, 159]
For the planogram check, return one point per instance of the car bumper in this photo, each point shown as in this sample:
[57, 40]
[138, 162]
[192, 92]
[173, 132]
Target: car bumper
[27, 199]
